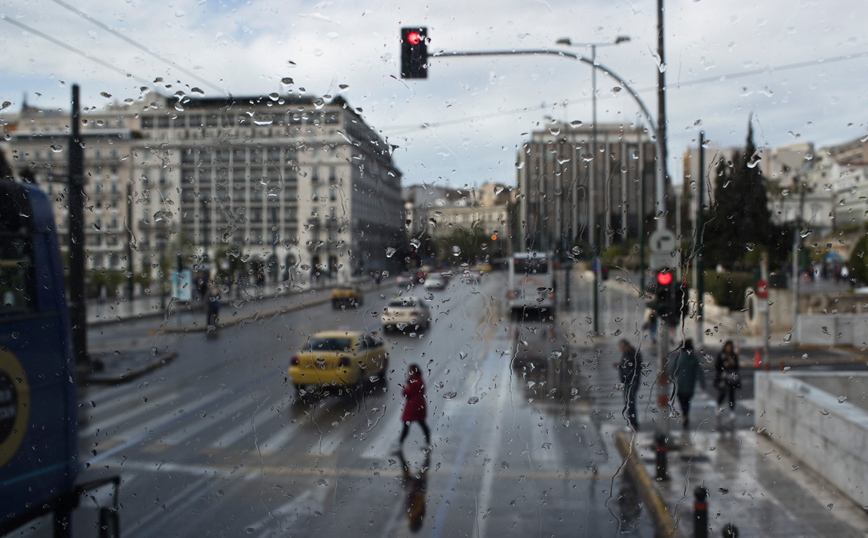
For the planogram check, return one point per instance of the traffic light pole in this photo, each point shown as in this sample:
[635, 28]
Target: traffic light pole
[659, 145]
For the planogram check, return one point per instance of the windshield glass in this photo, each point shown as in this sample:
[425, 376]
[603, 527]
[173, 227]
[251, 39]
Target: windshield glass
[328, 344]
[588, 235]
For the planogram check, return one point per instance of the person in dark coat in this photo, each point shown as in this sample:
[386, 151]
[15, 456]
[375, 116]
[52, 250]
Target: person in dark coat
[726, 377]
[415, 408]
[685, 371]
[630, 371]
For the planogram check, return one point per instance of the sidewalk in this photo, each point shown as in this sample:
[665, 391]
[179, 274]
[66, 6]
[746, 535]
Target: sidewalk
[751, 482]
[719, 325]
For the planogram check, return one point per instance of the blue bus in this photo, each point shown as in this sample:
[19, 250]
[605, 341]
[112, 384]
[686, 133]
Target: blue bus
[38, 407]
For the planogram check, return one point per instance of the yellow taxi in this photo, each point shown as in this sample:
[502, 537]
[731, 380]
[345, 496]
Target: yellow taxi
[483, 268]
[347, 294]
[338, 359]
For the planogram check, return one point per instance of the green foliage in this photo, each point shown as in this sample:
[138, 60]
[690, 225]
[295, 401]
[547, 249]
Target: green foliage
[739, 225]
[728, 289]
[859, 260]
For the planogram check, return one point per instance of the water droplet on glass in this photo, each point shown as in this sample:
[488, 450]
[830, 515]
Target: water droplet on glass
[265, 120]
[163, 215]
[56, 148]
[274, 96]
[456, 251]
[106, 95]
[575, 123]
[824, 412]
[415, 243]
[519, 165]
[319, 103]
[15, 334]
[5, 104]
[473, 399]
[805, 232]
[390, 252]
[842, 399]
[343, 86]
[750, 246]
[450, 395]
[788, 337]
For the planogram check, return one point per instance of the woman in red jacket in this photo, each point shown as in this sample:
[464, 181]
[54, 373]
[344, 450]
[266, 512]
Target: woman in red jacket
[415, 408]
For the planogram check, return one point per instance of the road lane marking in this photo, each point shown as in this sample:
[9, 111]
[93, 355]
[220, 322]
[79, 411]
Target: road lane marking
[243, 389]
[328, 443]
[195, 487]
[247, 426]
[280, 439]
[112, 421]
[492, 452]
[183, 433]
[466, 433]
[227, 471]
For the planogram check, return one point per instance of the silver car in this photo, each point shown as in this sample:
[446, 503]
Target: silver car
[404, 312]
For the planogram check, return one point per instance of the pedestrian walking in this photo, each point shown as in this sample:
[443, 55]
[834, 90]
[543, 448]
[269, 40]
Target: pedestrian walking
[726, 378]
[685, 370]
[630, 371]
[213, 306]
[415, 408]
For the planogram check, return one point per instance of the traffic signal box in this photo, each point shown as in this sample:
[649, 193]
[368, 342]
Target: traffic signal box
[666, 302]
[414, 52]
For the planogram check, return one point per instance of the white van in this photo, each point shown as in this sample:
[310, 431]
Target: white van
[531, 282]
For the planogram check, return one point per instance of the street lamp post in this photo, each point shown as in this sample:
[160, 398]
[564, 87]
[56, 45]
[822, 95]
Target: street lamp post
[592, 179]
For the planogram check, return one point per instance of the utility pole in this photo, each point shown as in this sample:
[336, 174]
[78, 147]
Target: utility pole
[592, 193]
[77, 307]
[699, 265]
[663, 336]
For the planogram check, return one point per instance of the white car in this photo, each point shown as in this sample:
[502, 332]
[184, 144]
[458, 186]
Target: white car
[435, 281]
[406, 312]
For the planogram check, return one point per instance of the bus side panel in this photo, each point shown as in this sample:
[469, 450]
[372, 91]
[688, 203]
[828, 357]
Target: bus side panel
[38, 457]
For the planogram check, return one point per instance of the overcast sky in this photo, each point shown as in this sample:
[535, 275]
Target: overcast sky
[478, 110]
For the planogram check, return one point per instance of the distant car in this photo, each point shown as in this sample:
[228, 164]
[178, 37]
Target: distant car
[338, 359]
[349, 295]
[406, 312]
[435, 281]
[411, 278]
[482, 268]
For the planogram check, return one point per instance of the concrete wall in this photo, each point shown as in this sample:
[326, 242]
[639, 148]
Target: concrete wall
[813, 425]
[833, 329]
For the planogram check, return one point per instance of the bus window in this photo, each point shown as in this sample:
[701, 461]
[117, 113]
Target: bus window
[16, 272]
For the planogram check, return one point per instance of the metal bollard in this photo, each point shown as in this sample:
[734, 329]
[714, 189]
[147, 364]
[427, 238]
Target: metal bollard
[660, 449]
[730, 531]
[700, 513]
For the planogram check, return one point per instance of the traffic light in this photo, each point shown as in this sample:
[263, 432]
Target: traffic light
[414, 52]
[662, 302]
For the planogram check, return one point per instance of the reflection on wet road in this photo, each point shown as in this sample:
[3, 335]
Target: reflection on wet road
[521, 420]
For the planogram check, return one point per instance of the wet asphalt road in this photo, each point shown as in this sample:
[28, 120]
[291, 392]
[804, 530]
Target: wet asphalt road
[214, 444]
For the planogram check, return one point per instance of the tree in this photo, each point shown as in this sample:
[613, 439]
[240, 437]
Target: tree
[740, 219]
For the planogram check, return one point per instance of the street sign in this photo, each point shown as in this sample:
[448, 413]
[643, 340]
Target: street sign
[661, 260]
[762, 289]
[662, 241]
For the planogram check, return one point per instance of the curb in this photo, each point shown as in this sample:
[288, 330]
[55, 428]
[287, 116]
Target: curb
[257, 315]
[650, 495]
[125, 377]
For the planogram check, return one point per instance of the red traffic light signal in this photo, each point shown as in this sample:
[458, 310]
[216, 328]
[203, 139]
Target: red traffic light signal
[664, 278]
[414, 52]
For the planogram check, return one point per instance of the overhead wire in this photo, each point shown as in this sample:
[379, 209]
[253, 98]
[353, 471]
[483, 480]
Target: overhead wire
[72, 49]
[140, 46]
[408, 128]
